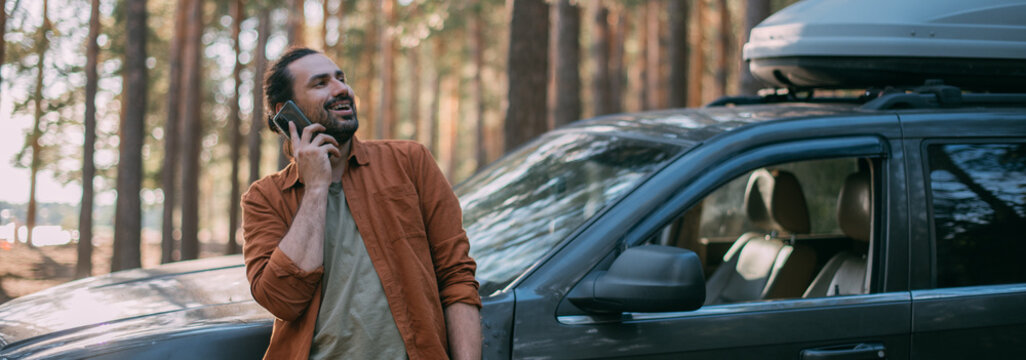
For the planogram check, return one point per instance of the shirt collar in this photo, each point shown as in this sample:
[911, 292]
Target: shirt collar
[357, 156]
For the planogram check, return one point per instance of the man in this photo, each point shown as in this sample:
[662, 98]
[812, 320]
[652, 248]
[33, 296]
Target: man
[357, 248]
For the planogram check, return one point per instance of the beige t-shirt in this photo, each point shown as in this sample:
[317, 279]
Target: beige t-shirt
[354, 321]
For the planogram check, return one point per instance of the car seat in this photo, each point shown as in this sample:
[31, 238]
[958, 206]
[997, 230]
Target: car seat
[845, 272]
[767, 264]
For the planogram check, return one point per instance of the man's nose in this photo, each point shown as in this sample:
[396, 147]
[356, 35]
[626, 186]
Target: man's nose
[340, 88]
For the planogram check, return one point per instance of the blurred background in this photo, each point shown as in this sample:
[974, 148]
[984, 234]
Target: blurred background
[131, 127]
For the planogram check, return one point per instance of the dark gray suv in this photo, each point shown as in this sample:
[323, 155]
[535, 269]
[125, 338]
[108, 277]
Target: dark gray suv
[880, 224]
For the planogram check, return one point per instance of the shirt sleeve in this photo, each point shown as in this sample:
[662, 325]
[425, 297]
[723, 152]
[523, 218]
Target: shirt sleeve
[276, 282]
[443, 219]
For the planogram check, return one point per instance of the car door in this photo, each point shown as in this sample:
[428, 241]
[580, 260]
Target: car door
[873, 325]
[969, 176]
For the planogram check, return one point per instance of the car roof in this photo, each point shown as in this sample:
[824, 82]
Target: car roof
[694, 125]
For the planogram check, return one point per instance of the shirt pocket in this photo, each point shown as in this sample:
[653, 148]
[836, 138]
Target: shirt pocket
[401, 207]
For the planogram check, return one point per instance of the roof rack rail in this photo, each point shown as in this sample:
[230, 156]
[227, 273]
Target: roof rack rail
[934, 94]
[776, 98]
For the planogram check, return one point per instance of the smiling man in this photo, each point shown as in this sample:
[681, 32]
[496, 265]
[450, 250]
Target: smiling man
[357, 248]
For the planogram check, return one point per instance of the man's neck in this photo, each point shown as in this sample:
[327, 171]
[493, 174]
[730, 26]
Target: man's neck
[338, 166]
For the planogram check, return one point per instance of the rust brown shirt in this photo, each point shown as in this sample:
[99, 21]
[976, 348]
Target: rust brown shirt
[411, 224]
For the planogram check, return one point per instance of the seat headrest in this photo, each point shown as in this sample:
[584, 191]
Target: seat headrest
[774, 201]
[854, 206]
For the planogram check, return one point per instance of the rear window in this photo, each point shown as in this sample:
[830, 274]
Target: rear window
[979, 206]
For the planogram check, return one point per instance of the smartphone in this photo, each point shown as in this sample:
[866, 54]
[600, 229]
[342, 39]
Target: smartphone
[290, 112]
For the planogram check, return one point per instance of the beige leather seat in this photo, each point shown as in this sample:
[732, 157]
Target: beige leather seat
[845, 272]
[767, 265]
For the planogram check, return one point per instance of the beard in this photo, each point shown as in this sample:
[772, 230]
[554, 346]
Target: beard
[342, 128]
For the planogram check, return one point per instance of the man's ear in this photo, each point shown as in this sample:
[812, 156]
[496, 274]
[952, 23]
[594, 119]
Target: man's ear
[277, 107]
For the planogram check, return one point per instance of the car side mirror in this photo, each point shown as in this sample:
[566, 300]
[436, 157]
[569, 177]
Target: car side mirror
[650, 278]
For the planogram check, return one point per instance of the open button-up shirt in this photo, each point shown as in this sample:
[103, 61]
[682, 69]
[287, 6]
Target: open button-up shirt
[411, 224]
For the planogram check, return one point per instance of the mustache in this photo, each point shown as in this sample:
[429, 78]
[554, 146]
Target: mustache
[352, 102]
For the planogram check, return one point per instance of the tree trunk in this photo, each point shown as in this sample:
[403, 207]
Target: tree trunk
[192, 134]
[127, 217]
[259, 113]
[678, 21]
[414, 70]
[723, 60]
[568, 60]
[84, 267]
[527, 67]
[366, 91]
[477, 47]
[755, 12]
[617, 34]
[697, 72]
[600, 53]
[640, 68]
[296, 37]
[295, 33]
[435, 96]
[653, 47]
[37, 131]
[3, 31]
[172, 138]
[385, 128]
[233, 128]
[325, 15]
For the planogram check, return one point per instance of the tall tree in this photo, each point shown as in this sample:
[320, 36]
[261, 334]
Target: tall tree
[233, 128]
[697, 57]
[641, 62]
[600, 53]
[297, 23]
[259, 66]
[84, 267]
[477, 48]
[385, 128]
[127, 215]
[413, 64]
[3, 31]
[724, 47]
[172, 130]
[295, 36]
[435, 95]
[42, 46]
[192, 131]
[654, 79]
[617, 30]
[678, 53]
[755, 12]
[527, 72]
[567, 63]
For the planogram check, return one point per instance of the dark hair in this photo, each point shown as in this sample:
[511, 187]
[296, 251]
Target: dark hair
[278, 80]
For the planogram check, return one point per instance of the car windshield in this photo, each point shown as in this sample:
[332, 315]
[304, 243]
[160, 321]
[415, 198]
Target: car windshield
[521, 207]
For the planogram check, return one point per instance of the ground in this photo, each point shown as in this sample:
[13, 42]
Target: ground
[25, 270]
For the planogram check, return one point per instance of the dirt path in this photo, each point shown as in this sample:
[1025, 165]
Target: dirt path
[25, 270]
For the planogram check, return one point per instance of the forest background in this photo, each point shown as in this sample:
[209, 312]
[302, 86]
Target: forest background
[142, 121]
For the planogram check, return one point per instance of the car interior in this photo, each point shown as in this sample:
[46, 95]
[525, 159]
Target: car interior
[796, 230]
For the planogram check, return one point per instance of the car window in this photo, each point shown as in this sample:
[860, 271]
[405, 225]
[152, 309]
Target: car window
[979, 206]
[747, 258]
[525, 204]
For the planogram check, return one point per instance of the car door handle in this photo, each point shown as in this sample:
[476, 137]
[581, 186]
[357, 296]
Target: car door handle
[846, 352]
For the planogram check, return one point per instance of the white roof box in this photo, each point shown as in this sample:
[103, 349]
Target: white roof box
[978, 44]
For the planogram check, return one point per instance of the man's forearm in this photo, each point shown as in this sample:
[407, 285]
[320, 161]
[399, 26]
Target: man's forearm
[463, 324]
[303, 243]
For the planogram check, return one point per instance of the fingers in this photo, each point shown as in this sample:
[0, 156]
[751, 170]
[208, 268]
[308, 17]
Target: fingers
[292, 133]
[322, 139]
[310, 130]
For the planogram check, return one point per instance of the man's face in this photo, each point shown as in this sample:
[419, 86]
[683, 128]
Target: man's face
[320, 90]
